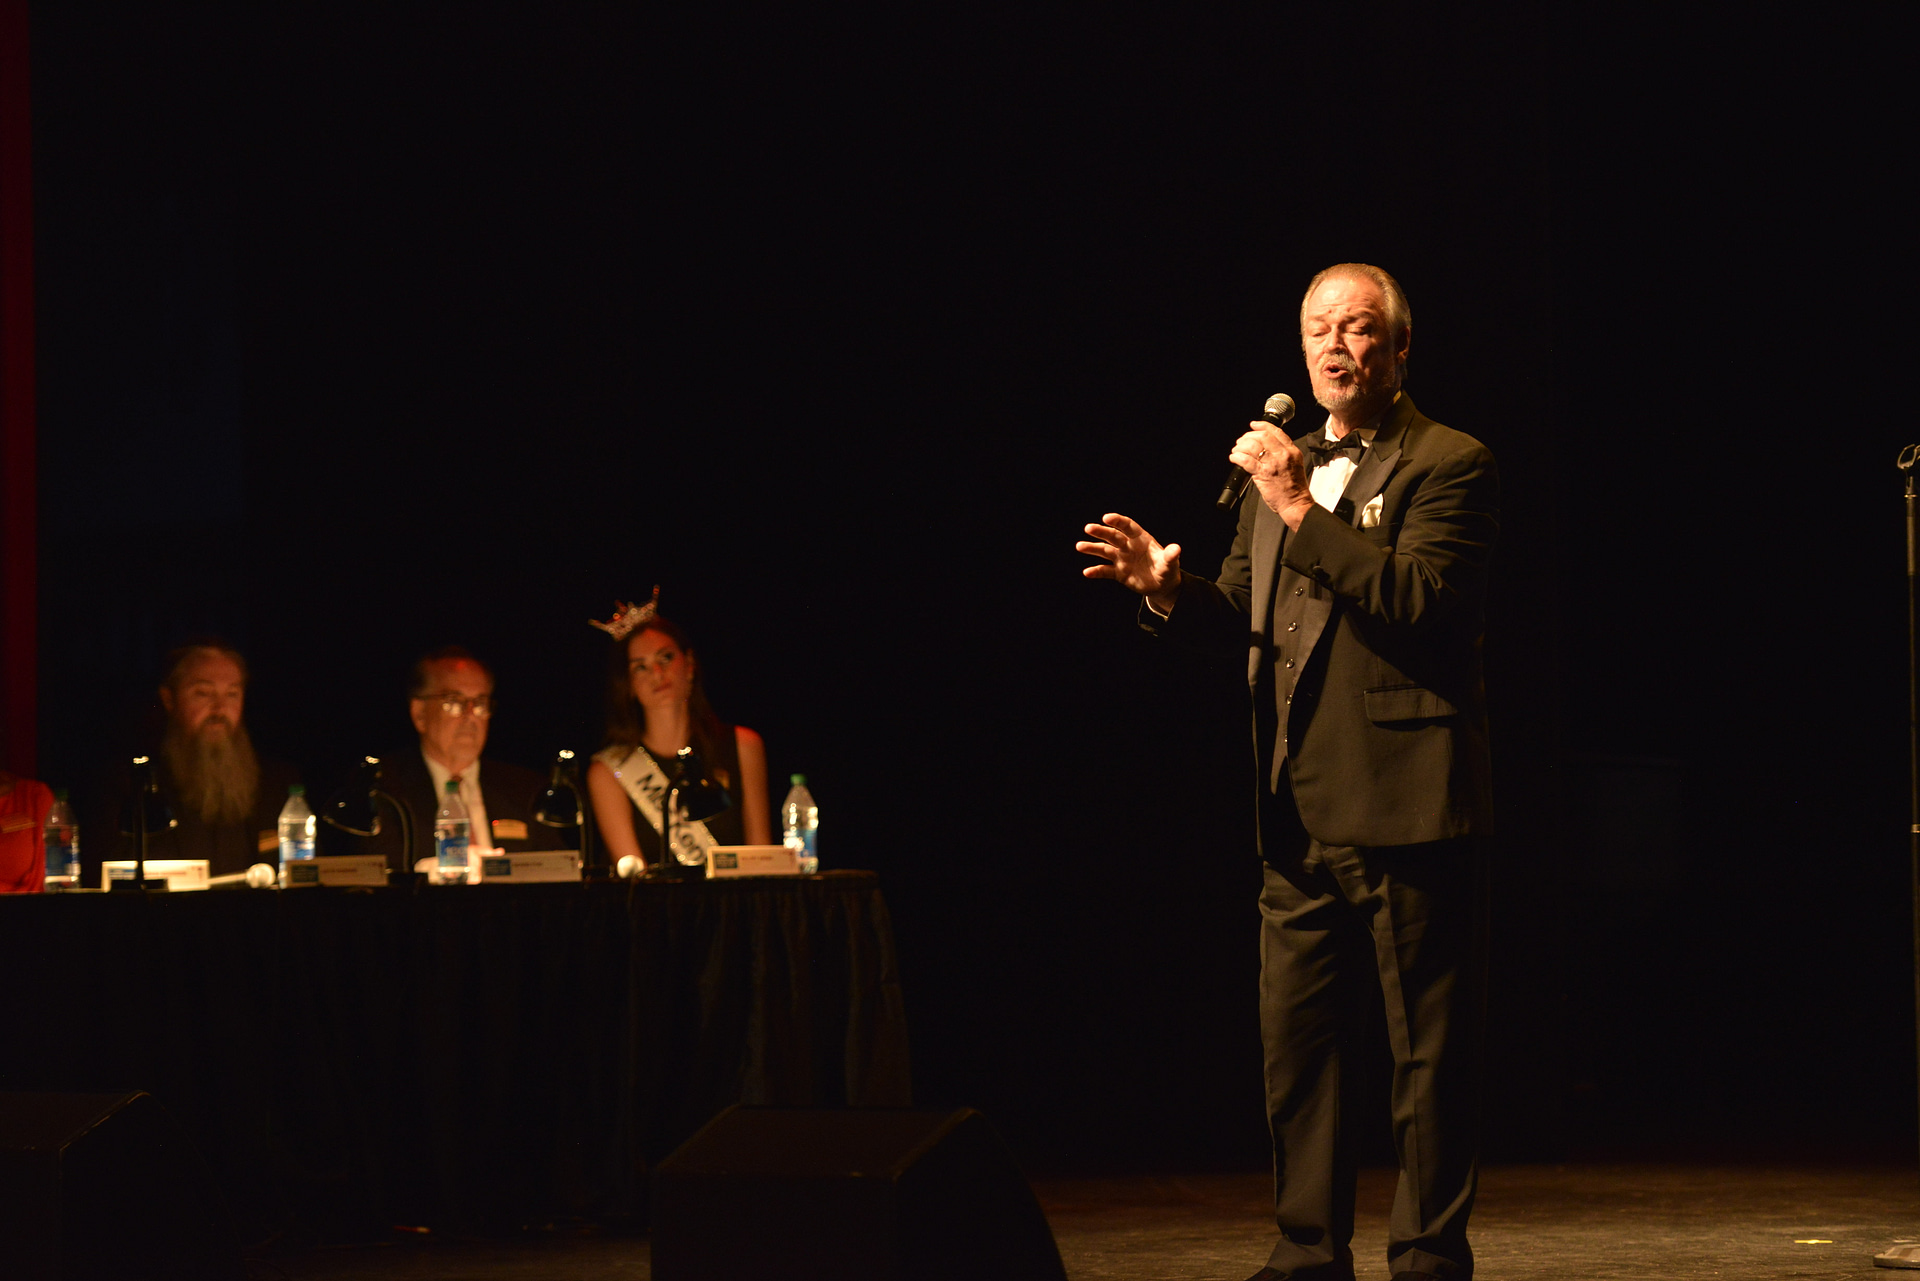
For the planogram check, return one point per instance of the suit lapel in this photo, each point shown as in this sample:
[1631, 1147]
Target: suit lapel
[1371, 476]
[1368, 479]
[1270, 532]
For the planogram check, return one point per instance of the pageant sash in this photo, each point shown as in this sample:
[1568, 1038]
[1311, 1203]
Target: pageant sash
[644, 781]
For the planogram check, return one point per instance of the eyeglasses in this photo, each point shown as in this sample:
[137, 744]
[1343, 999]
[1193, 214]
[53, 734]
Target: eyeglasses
[453, 705]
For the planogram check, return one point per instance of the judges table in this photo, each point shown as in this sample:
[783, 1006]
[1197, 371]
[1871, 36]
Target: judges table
[355, 1058]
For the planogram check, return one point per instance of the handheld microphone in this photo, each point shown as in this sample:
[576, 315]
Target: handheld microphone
[1278, 410]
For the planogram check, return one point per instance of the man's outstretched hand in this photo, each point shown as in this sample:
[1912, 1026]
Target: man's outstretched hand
[1133, 558]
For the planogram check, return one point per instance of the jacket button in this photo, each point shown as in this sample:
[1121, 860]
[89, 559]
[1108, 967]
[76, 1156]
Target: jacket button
[1299, 591]
[1289, 698]
[1293, 627]
[1289, 662]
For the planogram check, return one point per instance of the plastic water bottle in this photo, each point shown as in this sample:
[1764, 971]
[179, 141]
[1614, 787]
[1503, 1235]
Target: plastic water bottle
[450, 836]
[296, 829]
[801, 818]
[63, 843]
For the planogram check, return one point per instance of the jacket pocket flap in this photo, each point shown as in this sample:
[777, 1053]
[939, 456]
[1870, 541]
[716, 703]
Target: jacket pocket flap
[1405, 703]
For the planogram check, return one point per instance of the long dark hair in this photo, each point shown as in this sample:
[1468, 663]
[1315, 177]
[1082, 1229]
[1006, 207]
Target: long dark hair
[627, 720]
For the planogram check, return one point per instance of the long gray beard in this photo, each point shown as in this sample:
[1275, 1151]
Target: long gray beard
[215, 777]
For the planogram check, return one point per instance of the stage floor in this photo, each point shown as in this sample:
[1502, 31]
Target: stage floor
[1533, 1223]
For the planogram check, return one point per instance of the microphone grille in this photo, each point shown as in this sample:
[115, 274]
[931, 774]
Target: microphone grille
[1279, 407]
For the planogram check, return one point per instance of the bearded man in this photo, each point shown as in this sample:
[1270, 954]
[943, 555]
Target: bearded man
[224, 800]
[1356, 589]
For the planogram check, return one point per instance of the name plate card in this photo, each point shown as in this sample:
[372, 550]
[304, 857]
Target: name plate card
[529, 866]
[752, 860]
[177, 873]
[353, 869]
[337, 869]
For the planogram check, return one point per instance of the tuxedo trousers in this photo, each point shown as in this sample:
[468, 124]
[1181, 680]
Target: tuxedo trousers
[1332, 917]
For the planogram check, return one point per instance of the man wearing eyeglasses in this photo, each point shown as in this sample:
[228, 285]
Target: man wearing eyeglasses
[451, 703]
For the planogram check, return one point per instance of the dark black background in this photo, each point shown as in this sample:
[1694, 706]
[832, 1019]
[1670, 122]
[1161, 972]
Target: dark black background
[367, 330]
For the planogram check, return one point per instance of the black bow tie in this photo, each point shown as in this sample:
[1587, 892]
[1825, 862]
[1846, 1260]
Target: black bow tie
[1323, 450]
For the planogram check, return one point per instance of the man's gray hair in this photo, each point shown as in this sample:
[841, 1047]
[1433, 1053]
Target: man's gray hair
[178, 659]
[420, 676]
[1399, 315]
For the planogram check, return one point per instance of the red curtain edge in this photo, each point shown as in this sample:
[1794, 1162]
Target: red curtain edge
[19, 514]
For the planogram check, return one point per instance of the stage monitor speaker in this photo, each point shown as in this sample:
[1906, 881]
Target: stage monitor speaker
[848, 1195]
[94, 1186]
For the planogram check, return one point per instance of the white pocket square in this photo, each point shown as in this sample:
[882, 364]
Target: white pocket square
[1370, 514]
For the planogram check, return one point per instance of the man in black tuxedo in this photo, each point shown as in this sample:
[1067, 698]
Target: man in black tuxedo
[1357, 583]
[451, 705]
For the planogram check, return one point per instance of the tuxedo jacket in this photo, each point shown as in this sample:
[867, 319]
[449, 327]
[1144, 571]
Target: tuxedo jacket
[508, 791]
[1363, 636]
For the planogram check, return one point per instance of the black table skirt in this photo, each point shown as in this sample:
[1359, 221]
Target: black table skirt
[369, 1057]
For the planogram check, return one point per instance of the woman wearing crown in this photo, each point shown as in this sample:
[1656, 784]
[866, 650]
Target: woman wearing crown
[656, 707]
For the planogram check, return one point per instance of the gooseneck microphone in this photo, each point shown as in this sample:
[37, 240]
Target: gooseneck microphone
[1279, 409]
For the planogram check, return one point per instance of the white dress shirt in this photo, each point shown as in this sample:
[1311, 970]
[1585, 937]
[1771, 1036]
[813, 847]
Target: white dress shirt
[1329, 480]
[479, 830]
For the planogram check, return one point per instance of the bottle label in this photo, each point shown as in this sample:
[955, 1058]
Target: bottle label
[63, 851]
[450, 846]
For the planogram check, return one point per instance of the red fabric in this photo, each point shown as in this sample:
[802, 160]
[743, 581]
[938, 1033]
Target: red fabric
[18, 553]
[23, 820]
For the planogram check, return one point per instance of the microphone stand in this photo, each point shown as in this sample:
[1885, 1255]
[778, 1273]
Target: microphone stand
[1908, 1256]
[669, 868]
[354, 809]
[406, 825]
[1908, 457]
[566, 803]
[148, 808]
[144, 764]
[590, 870]
[145, 786]
[686, 773]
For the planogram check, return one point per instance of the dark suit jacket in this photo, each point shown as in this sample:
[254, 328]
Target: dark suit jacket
[1364, 645]
[508, 791]
[227, 847]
